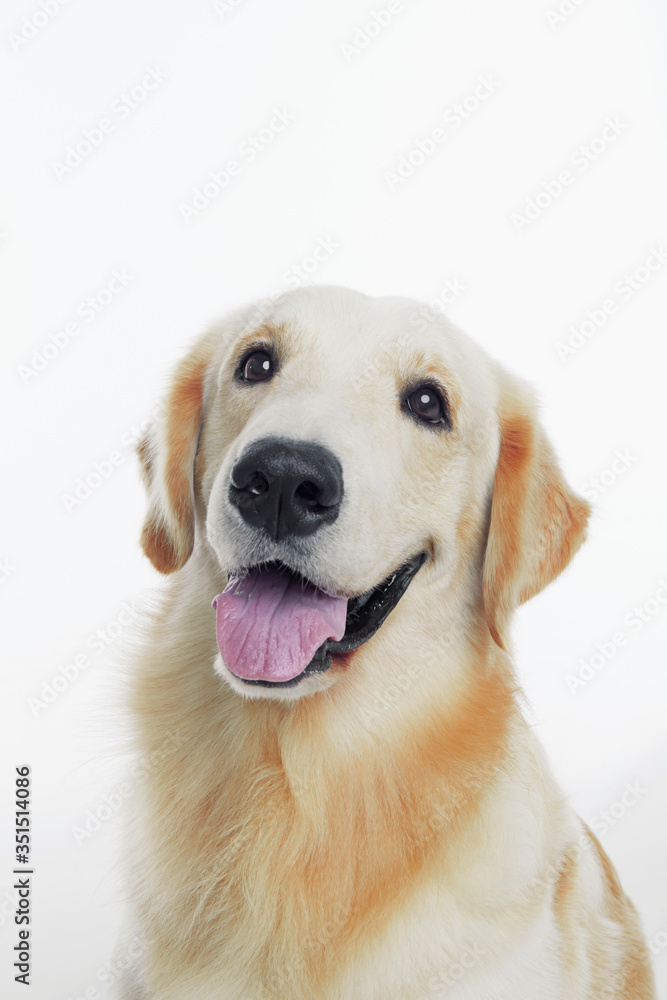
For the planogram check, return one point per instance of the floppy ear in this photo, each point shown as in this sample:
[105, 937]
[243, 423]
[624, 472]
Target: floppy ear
[167, 455]
[537, 523]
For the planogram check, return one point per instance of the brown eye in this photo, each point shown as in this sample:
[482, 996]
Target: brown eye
[427, 404]
[257, 367]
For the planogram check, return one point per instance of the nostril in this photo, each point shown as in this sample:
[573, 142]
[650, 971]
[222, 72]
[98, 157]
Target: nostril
[257, 484]
[309, 493]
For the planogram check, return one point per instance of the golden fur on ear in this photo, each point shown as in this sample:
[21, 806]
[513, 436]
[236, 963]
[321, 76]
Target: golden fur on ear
[537, 523]
[167, 455]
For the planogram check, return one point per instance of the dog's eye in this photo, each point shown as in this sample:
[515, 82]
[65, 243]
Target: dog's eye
[257, 367]
[427, 404]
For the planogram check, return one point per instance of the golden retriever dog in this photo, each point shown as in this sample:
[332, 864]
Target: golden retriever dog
[343, 800]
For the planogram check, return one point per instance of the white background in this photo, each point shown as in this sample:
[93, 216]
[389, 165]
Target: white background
[356, 112]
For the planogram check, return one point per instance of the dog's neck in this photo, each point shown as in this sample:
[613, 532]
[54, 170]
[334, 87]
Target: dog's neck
[291, 792]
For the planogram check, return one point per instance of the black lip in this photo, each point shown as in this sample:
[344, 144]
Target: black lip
[365, 615]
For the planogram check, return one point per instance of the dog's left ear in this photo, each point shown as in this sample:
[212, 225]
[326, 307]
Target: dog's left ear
[537, 523]
[167, 455]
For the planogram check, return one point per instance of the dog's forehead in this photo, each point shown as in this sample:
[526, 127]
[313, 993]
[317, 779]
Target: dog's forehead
[348, 326]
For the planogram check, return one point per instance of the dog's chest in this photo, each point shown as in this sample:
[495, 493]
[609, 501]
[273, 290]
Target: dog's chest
[289, 902]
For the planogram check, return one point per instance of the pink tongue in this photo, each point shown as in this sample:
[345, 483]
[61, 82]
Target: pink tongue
[269, 624]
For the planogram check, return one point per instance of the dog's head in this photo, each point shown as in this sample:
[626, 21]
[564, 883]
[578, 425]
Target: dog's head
[345, 461]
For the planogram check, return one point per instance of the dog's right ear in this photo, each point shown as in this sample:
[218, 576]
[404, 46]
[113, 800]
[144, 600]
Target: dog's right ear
[167, 455]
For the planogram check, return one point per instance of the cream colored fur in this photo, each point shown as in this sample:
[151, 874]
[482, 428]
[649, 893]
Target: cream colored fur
[390, 829]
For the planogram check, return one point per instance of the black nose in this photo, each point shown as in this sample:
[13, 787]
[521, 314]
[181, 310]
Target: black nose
[287, 487]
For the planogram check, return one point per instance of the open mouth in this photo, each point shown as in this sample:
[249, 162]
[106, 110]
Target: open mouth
[275, 627]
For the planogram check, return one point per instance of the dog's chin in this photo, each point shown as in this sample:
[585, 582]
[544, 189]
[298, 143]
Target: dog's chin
[305, 684]
[366, 614]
